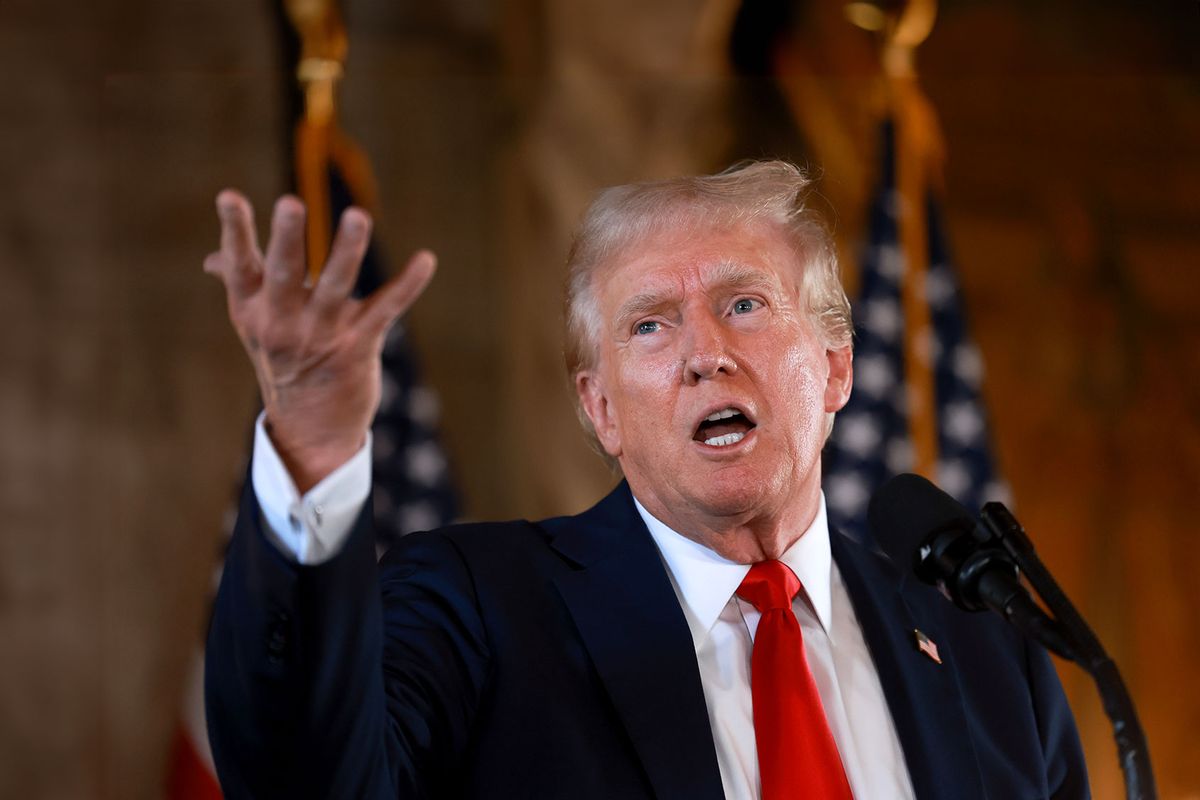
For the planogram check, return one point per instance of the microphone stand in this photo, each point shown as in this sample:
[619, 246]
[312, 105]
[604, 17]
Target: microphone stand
[1083, 648]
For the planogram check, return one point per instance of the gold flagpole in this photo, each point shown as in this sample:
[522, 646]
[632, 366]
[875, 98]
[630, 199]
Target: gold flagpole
[319, 141]
[919, 155]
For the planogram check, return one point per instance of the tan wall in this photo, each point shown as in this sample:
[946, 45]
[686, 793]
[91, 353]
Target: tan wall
[124, 401]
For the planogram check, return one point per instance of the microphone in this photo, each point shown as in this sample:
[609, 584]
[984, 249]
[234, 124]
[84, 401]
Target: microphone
[920, 526]
[975, 564]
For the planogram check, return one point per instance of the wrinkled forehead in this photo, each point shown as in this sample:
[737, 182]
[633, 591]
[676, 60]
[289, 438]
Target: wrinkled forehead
[735, 254]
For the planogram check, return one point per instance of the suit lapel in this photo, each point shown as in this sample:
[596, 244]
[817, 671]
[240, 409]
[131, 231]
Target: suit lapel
[923, 696]
[630, 620]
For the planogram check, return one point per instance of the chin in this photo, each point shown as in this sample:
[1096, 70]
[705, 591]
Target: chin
[734, 493]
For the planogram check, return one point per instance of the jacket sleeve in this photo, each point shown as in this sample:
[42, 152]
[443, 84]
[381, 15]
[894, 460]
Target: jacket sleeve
[1066, 771]
[313, 689]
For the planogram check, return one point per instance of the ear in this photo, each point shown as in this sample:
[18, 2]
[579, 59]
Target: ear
[594, 402]
[841, 378]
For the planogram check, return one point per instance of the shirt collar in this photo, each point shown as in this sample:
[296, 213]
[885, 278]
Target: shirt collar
[705, 581]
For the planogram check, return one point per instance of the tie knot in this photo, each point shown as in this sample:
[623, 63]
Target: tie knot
[769, 585]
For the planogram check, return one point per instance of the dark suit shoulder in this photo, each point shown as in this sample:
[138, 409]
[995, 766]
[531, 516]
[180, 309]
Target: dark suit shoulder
[554, 544]
[475, 546]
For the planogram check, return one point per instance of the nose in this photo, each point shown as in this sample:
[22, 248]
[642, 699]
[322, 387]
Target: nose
[707, 351]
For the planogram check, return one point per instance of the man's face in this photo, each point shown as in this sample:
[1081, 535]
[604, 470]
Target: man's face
[711, 386]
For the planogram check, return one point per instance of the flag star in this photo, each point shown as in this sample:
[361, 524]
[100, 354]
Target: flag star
[939, 287]
[425, 463]
[963, 422]
[889, 261]
[998, 491]
[874, 375]
[847, 492]
[954, 477]
[968, 365]
[423, 406]
[858, 433]
[898, 455]
[882, 318]
[417, 516]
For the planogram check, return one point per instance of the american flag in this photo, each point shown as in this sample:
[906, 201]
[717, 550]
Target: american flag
[927, 646]
[871, 438]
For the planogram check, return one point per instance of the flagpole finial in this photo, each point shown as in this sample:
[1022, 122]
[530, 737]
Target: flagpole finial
[901, 27]
[323, 47]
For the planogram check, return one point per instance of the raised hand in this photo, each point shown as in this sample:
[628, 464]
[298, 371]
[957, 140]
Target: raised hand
[315, 349]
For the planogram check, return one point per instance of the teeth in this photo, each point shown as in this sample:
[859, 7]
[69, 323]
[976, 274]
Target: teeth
[723, 414]
[726, 440]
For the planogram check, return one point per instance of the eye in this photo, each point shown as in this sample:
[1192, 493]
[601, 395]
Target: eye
[646, 326]
[745, 305]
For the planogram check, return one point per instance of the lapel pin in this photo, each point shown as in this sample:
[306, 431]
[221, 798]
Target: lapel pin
[927, 646]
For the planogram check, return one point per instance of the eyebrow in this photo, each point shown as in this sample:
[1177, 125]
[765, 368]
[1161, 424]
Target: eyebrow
[727, 274]
[736, 275]
[641, 303]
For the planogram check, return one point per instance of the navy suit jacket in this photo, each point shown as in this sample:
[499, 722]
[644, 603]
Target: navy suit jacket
[552, 659]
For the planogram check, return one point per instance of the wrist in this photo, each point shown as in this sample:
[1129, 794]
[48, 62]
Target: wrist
[310, 456]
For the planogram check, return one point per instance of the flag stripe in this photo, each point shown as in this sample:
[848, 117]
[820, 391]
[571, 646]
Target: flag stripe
[189, 775]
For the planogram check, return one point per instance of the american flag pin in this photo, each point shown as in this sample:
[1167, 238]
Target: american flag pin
[927, 646]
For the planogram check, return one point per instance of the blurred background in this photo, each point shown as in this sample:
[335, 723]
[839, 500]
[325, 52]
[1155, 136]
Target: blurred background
[1071, 136]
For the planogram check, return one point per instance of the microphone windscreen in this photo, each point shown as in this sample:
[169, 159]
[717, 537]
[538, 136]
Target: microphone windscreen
[906, 510]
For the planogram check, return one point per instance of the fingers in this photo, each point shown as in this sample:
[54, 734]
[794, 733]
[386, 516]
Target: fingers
[237, 262]
[341, 270]
[283, 270]
[395, 297]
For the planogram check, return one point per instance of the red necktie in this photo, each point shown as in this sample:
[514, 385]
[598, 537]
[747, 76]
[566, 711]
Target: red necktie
[797, 757]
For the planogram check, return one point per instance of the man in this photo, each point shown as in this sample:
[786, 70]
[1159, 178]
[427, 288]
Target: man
[699, 633]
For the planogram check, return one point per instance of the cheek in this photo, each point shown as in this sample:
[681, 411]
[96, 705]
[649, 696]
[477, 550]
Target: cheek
[648, 401]
[801, 385]
[647, 375]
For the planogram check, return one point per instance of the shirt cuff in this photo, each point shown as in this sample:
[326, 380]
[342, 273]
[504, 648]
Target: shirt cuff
[309, 529]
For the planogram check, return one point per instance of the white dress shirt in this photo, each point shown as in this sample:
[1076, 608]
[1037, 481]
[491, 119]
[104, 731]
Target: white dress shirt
[312, 528]
[723, 627]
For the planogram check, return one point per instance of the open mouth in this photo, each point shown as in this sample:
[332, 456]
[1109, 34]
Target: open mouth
[722, 428]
